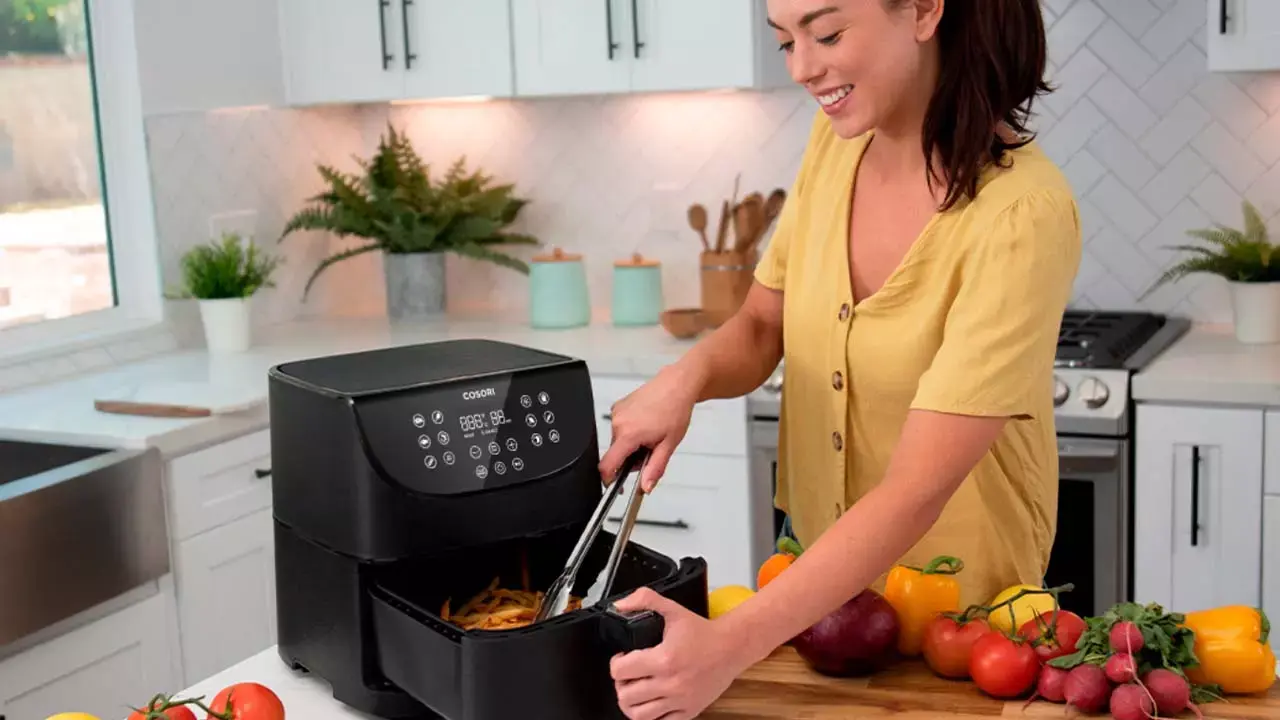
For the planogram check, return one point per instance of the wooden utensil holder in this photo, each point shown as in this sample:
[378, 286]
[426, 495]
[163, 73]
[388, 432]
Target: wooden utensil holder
[726, 278]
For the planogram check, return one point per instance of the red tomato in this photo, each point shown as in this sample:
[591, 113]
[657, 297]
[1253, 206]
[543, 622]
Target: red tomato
[947, 644]
[246, 701]
[170, 708]
[1061, 636]
[1002, 667]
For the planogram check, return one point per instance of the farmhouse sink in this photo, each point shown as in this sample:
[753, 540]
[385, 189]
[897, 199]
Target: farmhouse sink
[78, 526]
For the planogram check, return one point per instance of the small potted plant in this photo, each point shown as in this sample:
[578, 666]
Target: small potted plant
[1249, 263]
[413, 220]
[222, 276]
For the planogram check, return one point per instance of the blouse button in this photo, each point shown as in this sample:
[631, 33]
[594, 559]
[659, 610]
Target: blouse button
[837, 441]
[844, 312]
[837, 380]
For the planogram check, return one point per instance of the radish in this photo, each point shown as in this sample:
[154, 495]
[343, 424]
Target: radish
[1131, 702]
[1126, 637]
[1086, 688]
[1171, 692]
[1120, 668]
[1052, 684]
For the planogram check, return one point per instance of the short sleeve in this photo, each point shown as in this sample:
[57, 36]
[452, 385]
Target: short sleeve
[1001, 331]
[771, 270]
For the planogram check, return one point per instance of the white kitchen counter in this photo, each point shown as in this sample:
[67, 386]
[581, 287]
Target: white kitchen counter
[1208, 366]
[63, 411]
[304, 697]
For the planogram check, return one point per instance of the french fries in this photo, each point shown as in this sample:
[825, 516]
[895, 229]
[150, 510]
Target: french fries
[496, 608]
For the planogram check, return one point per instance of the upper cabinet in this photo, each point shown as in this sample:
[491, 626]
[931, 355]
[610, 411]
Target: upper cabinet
[566, 47]
[1244, 35]
[339, 51]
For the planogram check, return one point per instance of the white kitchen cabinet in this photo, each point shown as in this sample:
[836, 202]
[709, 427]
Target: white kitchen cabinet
[226, 595]
[196, 55]
[566, 47]
[340, 51]
[1271, 469]
[1271, 556]
[1243, 35]
[1197, 506]
[100, 668]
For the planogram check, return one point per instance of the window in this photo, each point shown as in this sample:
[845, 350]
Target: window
[77, 249]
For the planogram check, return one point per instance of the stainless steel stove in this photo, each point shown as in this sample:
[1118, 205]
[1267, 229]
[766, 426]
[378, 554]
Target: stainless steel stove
[1098, 353]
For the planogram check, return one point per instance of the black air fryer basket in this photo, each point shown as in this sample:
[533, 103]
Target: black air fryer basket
[557, 669]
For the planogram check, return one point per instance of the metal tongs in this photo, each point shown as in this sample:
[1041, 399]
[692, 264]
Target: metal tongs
[556, 601]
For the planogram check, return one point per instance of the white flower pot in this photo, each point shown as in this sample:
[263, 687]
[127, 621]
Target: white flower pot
[227, 324]
[1257, 312]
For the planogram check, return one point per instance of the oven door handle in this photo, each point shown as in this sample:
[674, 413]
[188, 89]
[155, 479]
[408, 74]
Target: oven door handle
[1088, 456]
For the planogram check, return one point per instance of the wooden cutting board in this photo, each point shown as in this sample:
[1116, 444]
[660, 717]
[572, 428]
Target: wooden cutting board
[179, 399]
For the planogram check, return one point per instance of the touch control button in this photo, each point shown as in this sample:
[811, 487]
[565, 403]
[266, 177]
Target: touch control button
[443, 437]
[437, 417]
[543, 397]
[475, 452]
[517, 464]
[430, 462]
[531, 420]
[448, 457]
[424, 441]
[536, 440]
[554, 436]
[512, 444]
[418, 420]
[500, 468]
[482, 472]
[494, 449]
[548, 417]
[526, 401]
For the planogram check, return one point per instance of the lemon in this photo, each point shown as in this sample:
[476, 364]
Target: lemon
[72, 716]
[1024, 608]
[725, 598]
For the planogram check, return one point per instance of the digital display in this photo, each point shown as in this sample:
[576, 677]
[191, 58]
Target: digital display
[483, 421]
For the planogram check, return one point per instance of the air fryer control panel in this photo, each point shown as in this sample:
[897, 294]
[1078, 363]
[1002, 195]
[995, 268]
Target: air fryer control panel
[482, 433]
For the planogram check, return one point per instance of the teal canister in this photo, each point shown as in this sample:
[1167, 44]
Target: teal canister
[637, 291]
[558, 291]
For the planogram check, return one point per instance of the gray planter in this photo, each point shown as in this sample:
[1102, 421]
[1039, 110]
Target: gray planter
[415, 285]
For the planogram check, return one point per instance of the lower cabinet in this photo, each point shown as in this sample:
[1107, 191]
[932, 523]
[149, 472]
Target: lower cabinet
[100, 668]
[226, 595]
[1271, 555]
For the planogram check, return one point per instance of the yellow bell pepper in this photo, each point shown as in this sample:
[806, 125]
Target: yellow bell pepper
[1233, 649]
[919, 595]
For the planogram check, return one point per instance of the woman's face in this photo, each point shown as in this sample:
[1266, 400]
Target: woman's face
[867, 62]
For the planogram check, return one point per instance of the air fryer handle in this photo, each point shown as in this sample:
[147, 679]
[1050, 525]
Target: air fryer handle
[632, 631]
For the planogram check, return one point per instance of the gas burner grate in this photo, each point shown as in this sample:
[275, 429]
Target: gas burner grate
[1094, 339]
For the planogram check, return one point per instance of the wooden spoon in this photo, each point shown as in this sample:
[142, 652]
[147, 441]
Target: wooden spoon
[698, 221]
[773, 207]
[724, 227]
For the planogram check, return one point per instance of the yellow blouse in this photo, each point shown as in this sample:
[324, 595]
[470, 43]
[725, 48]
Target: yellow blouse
[966, 324]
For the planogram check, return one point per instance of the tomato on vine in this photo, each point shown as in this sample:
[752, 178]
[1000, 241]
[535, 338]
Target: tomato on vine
[1002, 666]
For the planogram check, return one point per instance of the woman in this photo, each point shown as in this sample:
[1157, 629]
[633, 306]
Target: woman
[914, 285]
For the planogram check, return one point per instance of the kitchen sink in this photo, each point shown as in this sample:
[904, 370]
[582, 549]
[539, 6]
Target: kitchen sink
[78, 527]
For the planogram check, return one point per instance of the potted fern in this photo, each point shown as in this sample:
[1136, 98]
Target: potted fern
[1249, 262]
[223, 276]
[413, 219]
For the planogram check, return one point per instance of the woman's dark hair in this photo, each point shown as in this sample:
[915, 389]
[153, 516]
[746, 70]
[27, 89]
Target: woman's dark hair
[992, 67]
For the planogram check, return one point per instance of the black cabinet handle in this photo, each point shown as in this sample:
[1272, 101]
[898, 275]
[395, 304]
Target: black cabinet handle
[608, 24]
[382, 32]
[409, 57]
[1195, 496]
[675, 524]
[259, 473]
[635, 29]
[1222, 17]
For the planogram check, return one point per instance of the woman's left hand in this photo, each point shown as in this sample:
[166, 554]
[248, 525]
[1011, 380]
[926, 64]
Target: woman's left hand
[679, 678]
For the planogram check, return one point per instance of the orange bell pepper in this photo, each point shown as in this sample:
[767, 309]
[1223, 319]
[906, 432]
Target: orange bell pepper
[1232, 648]
[919, 595]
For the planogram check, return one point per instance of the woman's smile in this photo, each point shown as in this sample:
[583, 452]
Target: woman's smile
[834, 100]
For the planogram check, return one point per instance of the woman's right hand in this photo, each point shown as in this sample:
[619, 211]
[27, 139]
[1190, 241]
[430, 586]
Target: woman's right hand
[656, 415]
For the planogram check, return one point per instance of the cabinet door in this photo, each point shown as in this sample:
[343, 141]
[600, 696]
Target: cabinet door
[1246, 37]
[1272, 461]
[101, 668]
[226, 595]
[1197, 506]
[691, 45]
[342, 50]
[457, 48]
[1271, 556]
[565, 47]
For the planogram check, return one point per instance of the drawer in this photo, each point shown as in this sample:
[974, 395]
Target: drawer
[697, 520]
[219, 484]
[716, 427]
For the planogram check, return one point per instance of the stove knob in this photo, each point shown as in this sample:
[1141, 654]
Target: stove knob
[1060, 391]
[1094, 392]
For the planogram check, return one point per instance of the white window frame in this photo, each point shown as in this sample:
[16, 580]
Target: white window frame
[126, 195]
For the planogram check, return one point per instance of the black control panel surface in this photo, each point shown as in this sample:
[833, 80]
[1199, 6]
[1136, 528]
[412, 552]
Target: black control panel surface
[483, 433]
